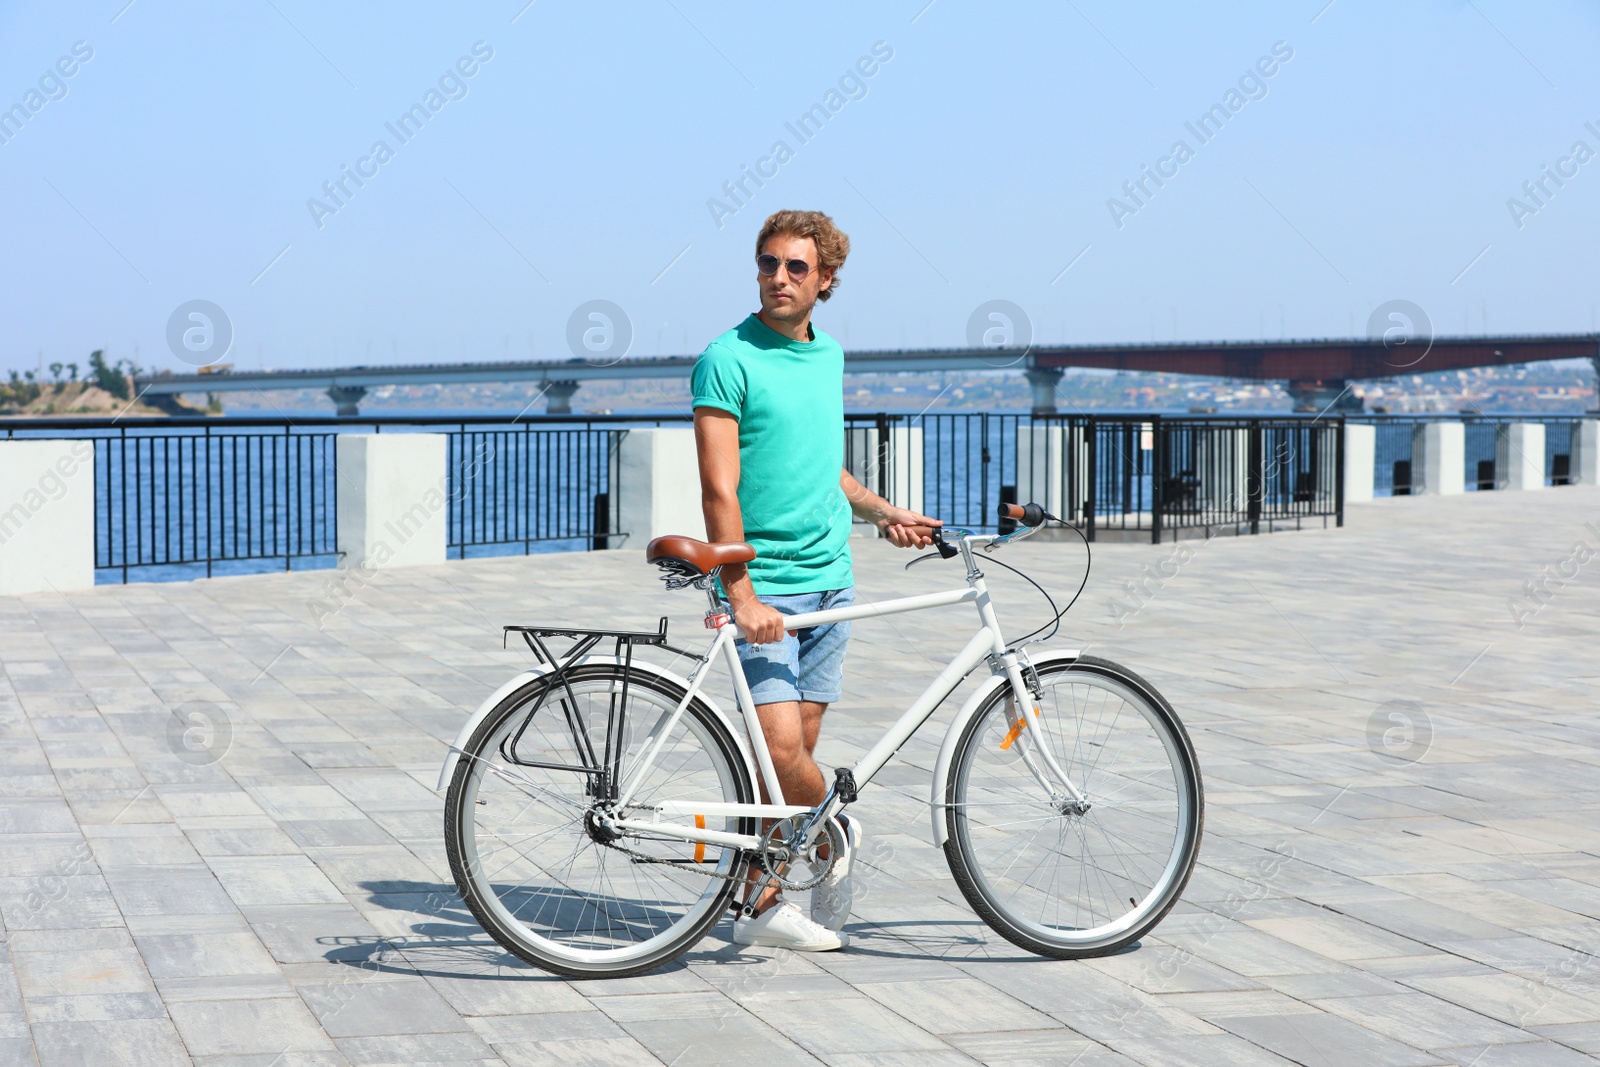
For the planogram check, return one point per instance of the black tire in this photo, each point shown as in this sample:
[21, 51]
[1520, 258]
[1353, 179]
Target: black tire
[596, 911]
[1153, 796]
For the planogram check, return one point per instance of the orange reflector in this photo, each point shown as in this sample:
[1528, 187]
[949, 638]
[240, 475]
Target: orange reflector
[1015, 731]
[699, 846]
[1011, 734]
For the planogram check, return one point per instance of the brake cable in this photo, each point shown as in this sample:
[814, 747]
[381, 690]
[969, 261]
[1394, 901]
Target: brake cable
[946, 551]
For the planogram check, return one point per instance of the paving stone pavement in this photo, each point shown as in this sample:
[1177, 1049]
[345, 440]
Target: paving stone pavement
[220, 844]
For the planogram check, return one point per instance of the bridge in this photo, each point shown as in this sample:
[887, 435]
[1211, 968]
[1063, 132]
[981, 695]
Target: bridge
[1317, 373]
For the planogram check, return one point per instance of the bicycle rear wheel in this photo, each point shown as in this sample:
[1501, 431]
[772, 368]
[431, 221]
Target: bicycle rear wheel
[546, 881]
[1045, 877]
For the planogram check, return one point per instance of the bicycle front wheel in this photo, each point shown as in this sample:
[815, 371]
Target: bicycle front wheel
[530, 849]
[1044, 875]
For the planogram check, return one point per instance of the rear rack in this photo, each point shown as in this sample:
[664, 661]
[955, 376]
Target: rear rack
[601, 766]
[584, 640]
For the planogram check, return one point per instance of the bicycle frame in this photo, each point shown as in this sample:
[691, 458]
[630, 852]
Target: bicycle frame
[987, 644]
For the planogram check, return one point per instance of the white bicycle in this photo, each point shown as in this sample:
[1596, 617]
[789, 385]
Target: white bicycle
[602, 811]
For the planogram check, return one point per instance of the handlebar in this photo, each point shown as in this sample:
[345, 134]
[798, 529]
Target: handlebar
[1028, 516]
[1032, 515]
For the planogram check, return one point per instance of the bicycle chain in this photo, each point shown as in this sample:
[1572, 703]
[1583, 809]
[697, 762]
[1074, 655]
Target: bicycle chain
[694, 868]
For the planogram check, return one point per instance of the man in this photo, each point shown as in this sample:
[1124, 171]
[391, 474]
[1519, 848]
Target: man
[769, 431]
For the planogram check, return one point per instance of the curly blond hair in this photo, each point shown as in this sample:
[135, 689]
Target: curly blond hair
[832, 243]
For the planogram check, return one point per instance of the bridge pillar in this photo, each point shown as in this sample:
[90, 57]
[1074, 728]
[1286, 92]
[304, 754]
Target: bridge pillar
[346, 398]
[559, 397]
[1044, 381]
[168, 403]
[1323, 394]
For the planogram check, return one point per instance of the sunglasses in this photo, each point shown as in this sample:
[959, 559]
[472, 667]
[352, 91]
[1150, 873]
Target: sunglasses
[797, 268]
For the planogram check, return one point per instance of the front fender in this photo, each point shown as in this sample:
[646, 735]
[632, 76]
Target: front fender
[468, 728]
[947, 750]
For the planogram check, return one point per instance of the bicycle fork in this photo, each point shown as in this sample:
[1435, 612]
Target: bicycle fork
[1027, 727]
[1023, 696]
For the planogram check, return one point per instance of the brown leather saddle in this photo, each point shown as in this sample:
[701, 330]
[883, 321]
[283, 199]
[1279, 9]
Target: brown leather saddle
[685, 560]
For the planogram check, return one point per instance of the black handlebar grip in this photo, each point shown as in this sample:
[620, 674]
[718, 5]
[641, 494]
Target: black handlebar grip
[1027, 514]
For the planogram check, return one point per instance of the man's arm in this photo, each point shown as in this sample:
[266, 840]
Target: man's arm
[716, 442]
[899, 525]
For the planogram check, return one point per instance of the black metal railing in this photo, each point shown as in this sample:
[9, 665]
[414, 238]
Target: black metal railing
[953, 466]
[1162, 475]
[172, 501]
[1146, 474]
[531, 485]
[182, 496]
[1558, 450]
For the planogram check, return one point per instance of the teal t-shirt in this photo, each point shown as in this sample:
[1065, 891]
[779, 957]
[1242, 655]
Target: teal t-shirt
[789, 399]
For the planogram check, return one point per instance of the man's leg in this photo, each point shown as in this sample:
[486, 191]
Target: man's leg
[811, 727]
[791, 728]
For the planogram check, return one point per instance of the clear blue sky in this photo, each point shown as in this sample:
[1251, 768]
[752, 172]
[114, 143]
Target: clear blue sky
[580, 162]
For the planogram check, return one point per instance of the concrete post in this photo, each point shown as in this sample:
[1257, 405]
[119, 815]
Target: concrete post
[393, 499]
[1052, 466]
[1586, 452]
[46, 516]
[1360, 459]
[904, 469]
[1438, 458]
[1222, 462]
[1519, 456]
[658, 487]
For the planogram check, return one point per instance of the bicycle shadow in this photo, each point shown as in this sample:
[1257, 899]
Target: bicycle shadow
[922, 939]
[445, 941]
[908, 939]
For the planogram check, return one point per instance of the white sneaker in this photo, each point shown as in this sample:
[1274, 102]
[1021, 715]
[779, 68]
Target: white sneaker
[783, 926]
[832, 897]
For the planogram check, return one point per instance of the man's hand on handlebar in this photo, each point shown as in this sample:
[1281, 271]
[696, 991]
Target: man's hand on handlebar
[905, 528]
[761, 624]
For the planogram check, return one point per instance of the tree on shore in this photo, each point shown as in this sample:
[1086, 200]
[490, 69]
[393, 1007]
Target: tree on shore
[110, 377]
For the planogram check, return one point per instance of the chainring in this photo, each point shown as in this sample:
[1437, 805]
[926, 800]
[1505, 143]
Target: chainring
[778, 860]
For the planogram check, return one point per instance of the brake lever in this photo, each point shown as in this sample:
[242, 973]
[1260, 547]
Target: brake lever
[945, 549]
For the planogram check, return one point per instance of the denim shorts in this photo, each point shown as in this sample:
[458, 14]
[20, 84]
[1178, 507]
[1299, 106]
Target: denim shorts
[806, 666]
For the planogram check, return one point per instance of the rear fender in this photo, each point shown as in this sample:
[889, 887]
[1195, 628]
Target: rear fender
[468, 728]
